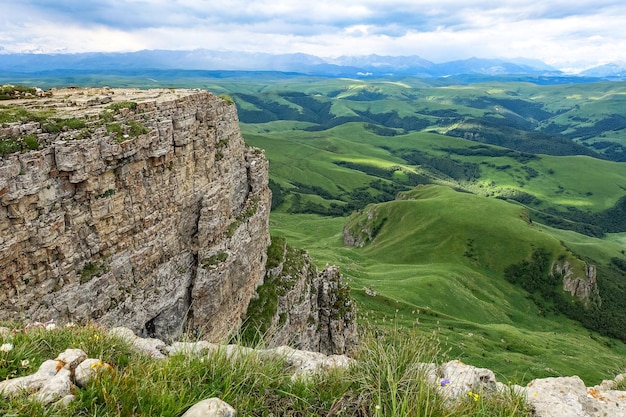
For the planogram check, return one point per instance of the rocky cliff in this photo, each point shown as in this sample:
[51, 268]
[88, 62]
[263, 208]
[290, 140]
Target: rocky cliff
[125, 206]
[299, 306]
[584, 287]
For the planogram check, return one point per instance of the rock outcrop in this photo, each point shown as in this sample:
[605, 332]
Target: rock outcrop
[299, 306]
[584, 287]
[141, 208]
[360, 230]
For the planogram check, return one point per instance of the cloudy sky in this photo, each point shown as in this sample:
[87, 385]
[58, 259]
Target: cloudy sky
[562, 33]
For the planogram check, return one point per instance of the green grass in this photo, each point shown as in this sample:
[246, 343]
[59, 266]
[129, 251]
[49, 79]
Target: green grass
[481, 318]
[387, 380]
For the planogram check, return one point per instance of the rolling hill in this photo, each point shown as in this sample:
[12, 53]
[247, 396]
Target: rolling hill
[475, 187]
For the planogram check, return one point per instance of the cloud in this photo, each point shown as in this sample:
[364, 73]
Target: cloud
[556, 31]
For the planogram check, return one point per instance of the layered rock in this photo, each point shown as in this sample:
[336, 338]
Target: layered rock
[584, 287]
[152, 213]
[299, 306]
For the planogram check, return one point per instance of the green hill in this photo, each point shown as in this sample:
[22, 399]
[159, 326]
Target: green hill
[437, 261]
[511, 177]
[442, 260]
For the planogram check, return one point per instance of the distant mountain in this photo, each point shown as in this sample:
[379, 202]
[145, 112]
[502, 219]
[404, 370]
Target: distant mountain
[492, 67]
[204, 59]
[611, 70]
[343, 66]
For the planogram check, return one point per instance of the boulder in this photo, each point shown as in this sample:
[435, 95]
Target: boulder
[211, 407]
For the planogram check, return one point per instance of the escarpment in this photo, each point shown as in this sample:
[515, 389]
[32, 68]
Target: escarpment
[584, 287]
[298, 305]
[141, 208]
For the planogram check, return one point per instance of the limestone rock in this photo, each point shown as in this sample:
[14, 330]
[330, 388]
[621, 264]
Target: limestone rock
[304, 363]
[582, 287]
[55, 388]
[568, 397]
[337, 313]
[314, 310]
[151, 346]
[191, 348]
[31, 383]
[71, 358]
[461, 378]
[87, 370]
[54, 380]
[211, 407]
[163, 230]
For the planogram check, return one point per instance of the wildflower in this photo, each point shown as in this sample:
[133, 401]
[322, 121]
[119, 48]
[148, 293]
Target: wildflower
[50, 326]
[473, 395]
[6, 347]
[25, 363]
[96, 365]
[445, 382]
[377, 407]
[96, 337]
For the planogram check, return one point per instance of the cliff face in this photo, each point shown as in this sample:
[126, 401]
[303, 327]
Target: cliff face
[585, 288]
[299, 306]
[140, 207]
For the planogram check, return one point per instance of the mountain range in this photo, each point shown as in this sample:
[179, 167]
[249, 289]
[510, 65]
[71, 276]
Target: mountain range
[343, 66]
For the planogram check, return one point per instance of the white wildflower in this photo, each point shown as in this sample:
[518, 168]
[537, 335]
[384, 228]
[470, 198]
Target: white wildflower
[25, 363]
[6, 347]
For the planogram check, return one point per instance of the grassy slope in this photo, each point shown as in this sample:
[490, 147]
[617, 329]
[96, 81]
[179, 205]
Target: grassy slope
[414, 269]
[580, 181]
[479, 316]
[532, 344]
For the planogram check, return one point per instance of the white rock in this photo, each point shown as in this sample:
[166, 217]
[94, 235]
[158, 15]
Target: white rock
[464, 378]
[123, 333]
[212, 407]
[305, 363]
[31, 383]
[557, 397]
[191, 348]
[72, 358]
[56, 388]
[87, 370]
[153, 347]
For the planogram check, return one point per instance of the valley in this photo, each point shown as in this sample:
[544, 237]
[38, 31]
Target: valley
[439, 256]
[490, 172]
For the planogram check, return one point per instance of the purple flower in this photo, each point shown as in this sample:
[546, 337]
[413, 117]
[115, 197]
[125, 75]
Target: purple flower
[445, 382]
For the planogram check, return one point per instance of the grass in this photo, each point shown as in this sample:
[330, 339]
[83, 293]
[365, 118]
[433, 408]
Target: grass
[387, 380]
[480, 317]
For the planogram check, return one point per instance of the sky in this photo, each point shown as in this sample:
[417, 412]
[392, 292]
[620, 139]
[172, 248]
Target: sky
[567, 34]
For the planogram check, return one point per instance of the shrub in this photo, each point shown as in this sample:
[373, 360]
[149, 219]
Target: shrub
[226, 98]
[31, 142]
[116, 107]
[8, 146]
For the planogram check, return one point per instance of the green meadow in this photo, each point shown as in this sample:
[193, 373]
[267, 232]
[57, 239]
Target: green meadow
[465, 188]
[466, 211]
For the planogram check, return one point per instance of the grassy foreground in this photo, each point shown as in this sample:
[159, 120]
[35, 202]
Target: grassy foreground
[386, 381]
